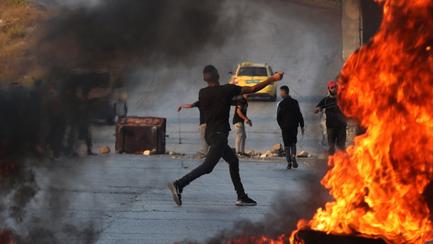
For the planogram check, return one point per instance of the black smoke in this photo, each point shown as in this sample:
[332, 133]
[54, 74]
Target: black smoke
[111, 35]
[31, 131]
[116, 33]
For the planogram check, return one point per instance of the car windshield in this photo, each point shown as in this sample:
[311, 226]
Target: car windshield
[252, 71]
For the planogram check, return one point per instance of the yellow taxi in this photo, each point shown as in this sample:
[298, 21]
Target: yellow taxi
[249, 74]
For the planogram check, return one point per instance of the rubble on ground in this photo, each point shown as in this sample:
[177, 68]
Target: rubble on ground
[276, 152]
[149, 152]
[277, 148]
[176, 155]
[104, 150]
[267, 154]
[303, 154]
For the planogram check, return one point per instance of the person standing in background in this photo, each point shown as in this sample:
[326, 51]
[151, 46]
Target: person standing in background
[240, 118]
[336, 122]
[84, 122]
[289, 118]
[120, 105]
[202, 127]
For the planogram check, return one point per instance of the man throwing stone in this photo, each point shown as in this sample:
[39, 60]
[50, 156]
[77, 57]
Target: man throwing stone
[215, 101]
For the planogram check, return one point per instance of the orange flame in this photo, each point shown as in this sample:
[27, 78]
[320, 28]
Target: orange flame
[7, 237]
[378, 185]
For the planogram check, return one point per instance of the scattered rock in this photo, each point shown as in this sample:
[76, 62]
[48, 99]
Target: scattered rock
[149, 152]
[104, 150]
[277, 148]
[267, 154]
[172, 153]
[175, 155]
[303, 154]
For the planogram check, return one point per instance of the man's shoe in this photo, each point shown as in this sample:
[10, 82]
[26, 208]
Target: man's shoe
[241, 155]
[245, 201]
[289, 165]
[295, 163]
[176, 193]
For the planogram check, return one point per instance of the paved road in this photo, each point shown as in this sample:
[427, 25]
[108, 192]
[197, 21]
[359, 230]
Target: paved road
[125, 196]
[120, 198]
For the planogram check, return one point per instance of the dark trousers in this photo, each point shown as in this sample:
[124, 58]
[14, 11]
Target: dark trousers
[336, 138]
[290, 138]
[218, 149]
[84, 134]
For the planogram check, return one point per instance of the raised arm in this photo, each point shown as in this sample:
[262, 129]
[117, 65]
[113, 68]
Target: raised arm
[253, 89]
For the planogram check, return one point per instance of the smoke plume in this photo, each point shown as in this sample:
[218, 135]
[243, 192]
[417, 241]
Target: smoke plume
[116, 34]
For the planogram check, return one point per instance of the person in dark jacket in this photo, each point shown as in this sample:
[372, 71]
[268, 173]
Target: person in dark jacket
[336, 122]
[289, 118]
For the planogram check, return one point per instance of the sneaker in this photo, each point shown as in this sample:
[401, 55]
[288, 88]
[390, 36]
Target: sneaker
[176, 193]
[295, 163]
[289, 165]
[245, 201]
[241, 155]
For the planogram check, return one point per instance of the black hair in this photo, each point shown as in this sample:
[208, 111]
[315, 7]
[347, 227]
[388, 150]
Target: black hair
[285, 88]
[213, 73]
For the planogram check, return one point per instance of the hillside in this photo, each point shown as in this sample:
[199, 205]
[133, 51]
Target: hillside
[18, 26]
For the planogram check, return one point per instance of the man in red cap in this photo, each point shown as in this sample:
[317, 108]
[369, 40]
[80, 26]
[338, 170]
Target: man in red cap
[336, 122]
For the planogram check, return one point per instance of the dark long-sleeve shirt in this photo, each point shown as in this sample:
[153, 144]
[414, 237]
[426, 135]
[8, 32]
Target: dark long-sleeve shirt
[289, 114]
[334, 116]
[197, 105]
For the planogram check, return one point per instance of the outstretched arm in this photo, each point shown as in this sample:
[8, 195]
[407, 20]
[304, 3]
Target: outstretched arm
[187, 106]
[252, 89]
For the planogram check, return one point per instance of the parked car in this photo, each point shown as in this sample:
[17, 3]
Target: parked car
[249, 74]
